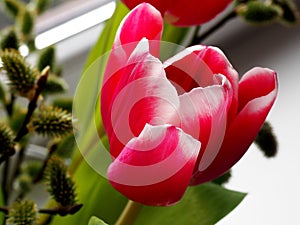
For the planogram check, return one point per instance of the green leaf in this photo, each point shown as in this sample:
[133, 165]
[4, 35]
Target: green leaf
[95, 221]
[106, 39]
[202, 205]
[172, 39]
[205, 204]
[175, 34]
[91, 87]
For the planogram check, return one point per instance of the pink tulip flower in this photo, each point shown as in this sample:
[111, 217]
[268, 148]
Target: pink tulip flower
[185, 13]
[176, 123]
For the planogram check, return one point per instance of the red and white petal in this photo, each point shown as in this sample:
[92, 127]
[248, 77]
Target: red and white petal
[262, 83]
[197, 65]
[144, 21]
[187, 70]
[155, 168]
[142, 94]
[255, 83]
[204, 116]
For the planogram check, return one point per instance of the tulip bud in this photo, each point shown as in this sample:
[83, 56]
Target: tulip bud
[23, 212]
[267, 141]
[10, 40]
[257, 12]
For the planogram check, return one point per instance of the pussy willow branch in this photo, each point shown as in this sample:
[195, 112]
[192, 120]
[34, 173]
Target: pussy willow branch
[198, 39]
[41, 84]
[62, 211]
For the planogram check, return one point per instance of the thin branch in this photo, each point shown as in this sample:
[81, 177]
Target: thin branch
[198, 39]
[4, 210]
[41, 84]
[62, 210]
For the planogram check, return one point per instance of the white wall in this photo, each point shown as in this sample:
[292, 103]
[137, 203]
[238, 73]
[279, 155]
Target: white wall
[273, 184]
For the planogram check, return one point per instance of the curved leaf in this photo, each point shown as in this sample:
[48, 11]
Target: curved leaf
[202, 205]
[91, 93]
[96, 221]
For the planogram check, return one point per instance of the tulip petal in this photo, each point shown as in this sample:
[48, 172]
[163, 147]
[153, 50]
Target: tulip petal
[142, 94]
[187, 70]
[155, 168]
[196, 67]
[144, 21]
[203, 114]
[262, 83]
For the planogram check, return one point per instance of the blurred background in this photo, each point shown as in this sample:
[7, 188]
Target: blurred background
[272, 184]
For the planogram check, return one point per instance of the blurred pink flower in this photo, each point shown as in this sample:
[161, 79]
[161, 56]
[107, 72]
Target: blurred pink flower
[185, 13]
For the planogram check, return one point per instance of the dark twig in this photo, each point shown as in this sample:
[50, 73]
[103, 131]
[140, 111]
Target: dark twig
[41, 84]
[198, 39]
[62, 210]
[4, 210]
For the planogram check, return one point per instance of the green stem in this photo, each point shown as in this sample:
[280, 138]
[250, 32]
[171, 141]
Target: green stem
[129, 213]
